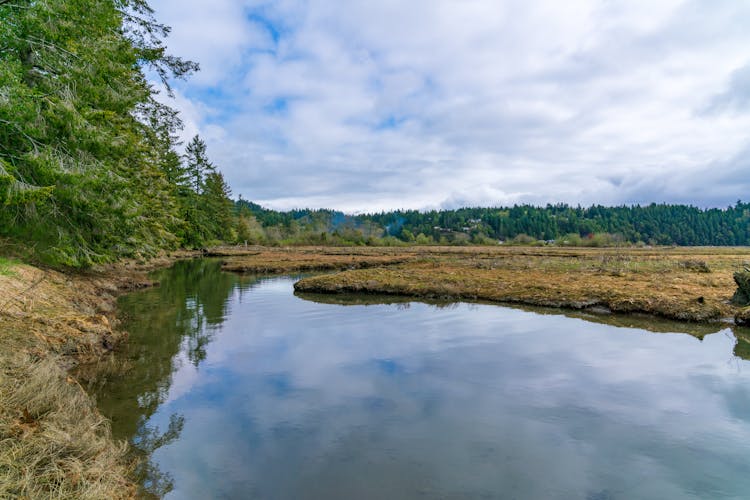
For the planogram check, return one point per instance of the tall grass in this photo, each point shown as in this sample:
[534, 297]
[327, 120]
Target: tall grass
[53, 442]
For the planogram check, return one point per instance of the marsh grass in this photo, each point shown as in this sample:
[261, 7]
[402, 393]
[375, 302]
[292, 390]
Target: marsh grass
[53, 442]
[687, 284]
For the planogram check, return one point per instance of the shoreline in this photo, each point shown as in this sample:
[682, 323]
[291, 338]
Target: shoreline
[53, 440]
[590, 307]
[692, 284]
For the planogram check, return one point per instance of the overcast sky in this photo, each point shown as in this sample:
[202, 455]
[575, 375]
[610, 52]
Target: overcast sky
[364, 105]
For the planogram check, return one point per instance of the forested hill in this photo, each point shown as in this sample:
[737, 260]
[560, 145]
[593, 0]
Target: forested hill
[596, 225]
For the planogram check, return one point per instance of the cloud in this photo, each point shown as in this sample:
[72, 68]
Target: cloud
[376, 105]
[737, 96]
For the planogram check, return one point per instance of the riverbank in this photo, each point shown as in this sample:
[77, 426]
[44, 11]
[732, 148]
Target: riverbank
[686, 284]
[53, 441]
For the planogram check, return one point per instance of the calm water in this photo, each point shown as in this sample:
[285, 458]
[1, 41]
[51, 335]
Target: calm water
[237, 388]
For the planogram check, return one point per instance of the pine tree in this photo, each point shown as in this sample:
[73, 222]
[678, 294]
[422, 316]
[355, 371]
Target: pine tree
[198, 165]
[218, 207]
[80, 172]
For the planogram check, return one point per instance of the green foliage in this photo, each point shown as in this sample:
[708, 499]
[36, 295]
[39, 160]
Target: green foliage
[88, 165]
[204, 199]
[595, 226]
[81, 179]
[6, 267]
[742, 294]
[423, 239]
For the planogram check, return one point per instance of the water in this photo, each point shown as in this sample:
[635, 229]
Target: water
[237, 388]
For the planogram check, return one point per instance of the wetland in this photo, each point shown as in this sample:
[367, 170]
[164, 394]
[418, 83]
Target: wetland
[233, 385]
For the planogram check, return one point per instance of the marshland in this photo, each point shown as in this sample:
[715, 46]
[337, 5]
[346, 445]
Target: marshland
[374, 250]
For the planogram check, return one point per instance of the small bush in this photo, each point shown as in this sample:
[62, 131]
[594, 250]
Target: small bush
[523, 239]
[742, 294]
[698, 266]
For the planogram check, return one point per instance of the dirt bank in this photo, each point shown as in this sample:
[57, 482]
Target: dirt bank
[53, 441]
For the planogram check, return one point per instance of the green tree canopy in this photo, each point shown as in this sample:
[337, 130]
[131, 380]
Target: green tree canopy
[85, 149]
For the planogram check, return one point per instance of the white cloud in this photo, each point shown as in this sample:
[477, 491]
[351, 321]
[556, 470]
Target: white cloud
[364, 105]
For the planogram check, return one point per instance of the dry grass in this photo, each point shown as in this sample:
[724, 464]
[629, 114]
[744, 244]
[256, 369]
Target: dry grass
[690, 284]
[53, 441]
[308, 259]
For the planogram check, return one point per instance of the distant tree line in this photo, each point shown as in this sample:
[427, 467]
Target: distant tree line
[655, 224]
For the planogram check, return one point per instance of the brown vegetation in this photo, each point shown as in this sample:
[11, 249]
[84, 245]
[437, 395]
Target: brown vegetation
[53, 441]
[292, 260]
[689, 284]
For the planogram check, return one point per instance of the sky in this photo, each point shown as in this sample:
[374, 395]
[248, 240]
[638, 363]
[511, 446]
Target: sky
[365, 105]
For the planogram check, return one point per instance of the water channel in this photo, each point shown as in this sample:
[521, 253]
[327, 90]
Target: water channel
[234, 387]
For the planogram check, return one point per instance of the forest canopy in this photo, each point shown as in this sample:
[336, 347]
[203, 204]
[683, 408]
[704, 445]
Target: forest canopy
[562, 224]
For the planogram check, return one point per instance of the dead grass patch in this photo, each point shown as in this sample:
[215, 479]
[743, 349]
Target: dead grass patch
[689, 284]
[285, 261]
[53, 441]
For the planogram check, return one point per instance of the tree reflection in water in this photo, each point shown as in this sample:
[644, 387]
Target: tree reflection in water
[187, 308]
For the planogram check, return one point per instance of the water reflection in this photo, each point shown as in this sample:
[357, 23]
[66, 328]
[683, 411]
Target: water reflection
[169, 325]
[742, 347]
[239, 389]
[642, 321]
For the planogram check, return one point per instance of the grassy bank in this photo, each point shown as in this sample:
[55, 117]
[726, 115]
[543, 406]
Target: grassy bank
[53, 441]
[689, 284]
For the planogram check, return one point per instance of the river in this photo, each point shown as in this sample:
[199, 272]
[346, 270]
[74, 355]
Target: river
[234, 387]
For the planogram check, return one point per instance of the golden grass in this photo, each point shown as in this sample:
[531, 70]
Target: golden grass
[309, 259]
[53, 441]
[690, 284]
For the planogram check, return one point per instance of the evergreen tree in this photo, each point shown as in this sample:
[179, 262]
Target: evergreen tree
[218, 207]
[80, 171]
[209, 212]
[198, 165]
